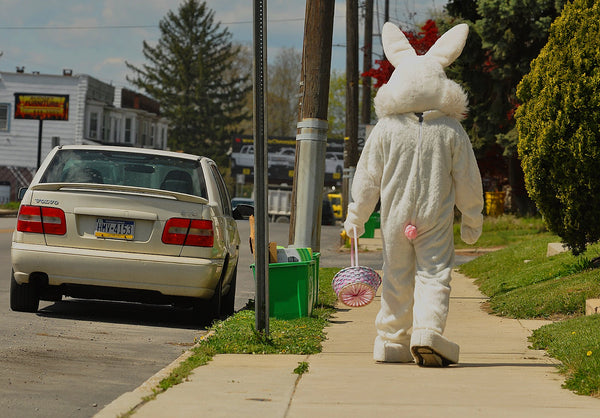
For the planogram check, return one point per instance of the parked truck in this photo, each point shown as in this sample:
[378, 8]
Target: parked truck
[279, 205]
[243, 158]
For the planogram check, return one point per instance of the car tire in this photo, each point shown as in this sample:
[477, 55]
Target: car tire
[23, 297]
[228, 299]
[204, 312]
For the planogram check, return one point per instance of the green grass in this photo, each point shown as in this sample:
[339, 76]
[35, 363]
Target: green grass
[10, 205]
[577, 345]
[523, 283]
[501, 231]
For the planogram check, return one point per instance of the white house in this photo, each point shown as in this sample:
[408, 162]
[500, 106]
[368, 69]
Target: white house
[40, 111]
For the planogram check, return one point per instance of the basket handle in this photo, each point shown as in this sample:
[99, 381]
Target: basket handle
[354, 250]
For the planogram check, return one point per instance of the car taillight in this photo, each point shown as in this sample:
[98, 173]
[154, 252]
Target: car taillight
[194, 232]
[41, 219]
[200, 234]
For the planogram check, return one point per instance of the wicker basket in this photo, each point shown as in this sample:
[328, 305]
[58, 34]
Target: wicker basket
[356, 285]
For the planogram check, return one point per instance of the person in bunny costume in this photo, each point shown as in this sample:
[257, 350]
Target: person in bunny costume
[419, 162]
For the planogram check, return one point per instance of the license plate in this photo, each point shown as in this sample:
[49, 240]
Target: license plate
[114, 228]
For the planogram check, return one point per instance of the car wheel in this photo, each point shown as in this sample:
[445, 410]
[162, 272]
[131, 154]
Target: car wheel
[23, 297]
[228, 299]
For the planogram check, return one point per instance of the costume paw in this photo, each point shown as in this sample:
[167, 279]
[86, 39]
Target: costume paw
[431, 349]
[389, 352]
[469, 235]
[349, 227]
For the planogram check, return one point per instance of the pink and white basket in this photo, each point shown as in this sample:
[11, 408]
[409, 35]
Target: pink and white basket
[356, 285]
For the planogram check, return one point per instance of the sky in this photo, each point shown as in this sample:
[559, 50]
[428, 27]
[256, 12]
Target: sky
[96, 37]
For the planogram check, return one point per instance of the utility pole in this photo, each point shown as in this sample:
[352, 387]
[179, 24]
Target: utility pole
[351, 135]
[311, 137]
[386, 14]
[365, 114]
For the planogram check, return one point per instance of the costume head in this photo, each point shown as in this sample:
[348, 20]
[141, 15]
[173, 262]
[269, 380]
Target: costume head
[419, 83]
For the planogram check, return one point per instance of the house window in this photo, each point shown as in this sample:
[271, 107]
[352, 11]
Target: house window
[106, 128]
[93, 133]
[152, 135]
[127, 130]
[144, 132]
[4, 116]
[137, 135]
[116, 130]
[163, 137]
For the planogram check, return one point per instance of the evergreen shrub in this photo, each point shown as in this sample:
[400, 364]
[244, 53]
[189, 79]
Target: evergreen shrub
[559, 126]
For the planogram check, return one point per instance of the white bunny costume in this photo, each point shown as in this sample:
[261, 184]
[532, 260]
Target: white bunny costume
[419, 162]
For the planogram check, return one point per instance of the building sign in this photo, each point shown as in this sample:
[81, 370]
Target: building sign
[41, 106]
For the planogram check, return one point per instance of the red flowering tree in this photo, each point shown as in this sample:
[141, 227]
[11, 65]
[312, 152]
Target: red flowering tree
[421, 42]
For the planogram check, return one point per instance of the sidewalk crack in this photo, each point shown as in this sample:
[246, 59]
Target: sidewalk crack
[296, 383]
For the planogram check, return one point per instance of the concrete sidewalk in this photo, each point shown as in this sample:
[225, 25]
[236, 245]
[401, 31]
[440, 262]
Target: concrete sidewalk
[498, 376]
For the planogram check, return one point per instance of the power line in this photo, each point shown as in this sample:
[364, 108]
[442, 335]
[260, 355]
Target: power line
[76, 27]
[100, 27]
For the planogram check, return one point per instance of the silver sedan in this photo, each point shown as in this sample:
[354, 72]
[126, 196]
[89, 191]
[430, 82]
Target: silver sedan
[126, 224]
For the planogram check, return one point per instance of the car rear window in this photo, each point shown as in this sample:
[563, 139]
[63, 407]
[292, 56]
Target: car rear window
[127, 169]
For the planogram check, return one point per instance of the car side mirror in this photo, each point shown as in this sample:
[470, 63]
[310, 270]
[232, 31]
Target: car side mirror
[21, 193]
[242, 211]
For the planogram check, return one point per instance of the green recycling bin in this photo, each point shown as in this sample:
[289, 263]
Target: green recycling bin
[293, 288]
[372, 224]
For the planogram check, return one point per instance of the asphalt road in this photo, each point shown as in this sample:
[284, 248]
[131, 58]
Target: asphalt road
[73, 357]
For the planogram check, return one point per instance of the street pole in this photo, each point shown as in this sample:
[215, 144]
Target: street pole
[351, 136]
[261, 252]
[311, 137]
[386, 13]
[39, 148]
[365, 114]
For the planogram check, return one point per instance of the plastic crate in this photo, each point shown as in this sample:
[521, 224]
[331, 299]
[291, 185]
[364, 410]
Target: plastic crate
[293, 289]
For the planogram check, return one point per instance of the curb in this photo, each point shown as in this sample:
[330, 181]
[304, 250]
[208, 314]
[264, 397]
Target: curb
[129, 401]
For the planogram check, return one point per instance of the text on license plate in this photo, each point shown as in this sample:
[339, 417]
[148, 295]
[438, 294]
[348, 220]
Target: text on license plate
[114, 228]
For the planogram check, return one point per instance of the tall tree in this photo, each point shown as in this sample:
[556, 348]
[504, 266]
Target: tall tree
[282, 96]
[505, 37]
[336, 112]
[242, 66]
[513, 32]
[190, 73]
[558, 124]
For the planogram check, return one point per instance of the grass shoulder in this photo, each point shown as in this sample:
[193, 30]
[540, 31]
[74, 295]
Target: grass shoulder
[10, 206]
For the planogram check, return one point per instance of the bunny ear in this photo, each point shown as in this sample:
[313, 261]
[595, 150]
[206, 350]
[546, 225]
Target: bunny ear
[395, 44]
[450, 45]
